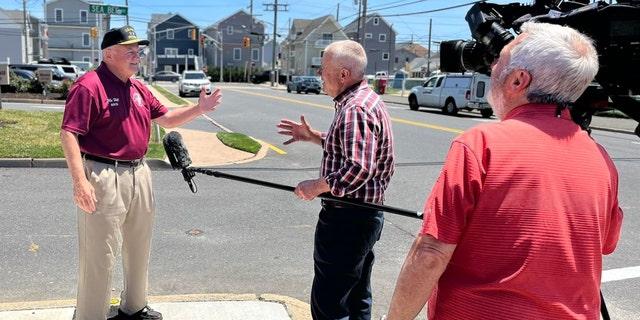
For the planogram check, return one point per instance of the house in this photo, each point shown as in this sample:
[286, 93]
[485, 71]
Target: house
[421, 67]
[302, 50]
[379, 41]
[407, 52]
[69, 24]
[23, 49]
[236, 41]
[174, 45]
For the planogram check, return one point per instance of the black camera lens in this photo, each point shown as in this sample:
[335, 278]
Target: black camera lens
[462, 56]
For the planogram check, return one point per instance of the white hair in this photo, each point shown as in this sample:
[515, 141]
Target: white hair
[350, 55]
[562, 62]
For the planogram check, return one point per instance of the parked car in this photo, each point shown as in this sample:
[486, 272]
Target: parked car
[165, 76]
[192, 82]
[84, 66]
[26, 75]
[265, 76]
[304, 84]
[58, 74]
[71, 71]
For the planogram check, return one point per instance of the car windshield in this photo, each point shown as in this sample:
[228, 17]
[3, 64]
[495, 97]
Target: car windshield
[195, 76]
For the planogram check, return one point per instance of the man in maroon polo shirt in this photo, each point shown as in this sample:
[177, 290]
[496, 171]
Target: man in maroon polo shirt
[105, 134]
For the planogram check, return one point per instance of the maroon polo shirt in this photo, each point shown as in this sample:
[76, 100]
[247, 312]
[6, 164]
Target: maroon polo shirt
[112, 118]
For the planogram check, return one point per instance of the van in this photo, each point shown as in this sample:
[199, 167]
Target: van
[452, 92]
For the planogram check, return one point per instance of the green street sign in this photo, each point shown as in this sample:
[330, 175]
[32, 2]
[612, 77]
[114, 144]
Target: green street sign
[106, 9]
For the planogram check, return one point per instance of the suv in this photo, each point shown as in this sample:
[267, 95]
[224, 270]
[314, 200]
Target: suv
[192, 82]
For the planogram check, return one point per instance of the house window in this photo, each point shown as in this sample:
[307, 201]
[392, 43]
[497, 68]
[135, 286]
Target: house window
[190, 52]
[396, 60]
[376, 21]
[58, 14]
[86, 40]
[382, 37]
[237, 54]
[385, 56]
[171, 52]
[327, 36]
[255, 54]
[171, 34]
[368, 35]
[84, 17]
[229, 29]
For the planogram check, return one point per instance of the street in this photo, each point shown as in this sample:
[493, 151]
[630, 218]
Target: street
[233, 237]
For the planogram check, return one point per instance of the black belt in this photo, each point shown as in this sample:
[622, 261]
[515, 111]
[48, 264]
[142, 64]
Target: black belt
[338, 205]
[130, 163]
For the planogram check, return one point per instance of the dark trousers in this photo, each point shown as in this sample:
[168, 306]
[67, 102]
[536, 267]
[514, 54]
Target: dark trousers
[343, 258]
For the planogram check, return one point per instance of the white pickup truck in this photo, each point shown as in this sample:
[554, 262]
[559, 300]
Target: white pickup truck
[452, 92]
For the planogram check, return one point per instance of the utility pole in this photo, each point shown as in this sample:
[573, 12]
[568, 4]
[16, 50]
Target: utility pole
[127, 16]
[26, 32]
[275, 7]
[364, 24]
[429, 50]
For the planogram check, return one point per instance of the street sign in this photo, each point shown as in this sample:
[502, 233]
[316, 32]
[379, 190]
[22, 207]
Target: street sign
[107, 9]
[4, 73]
[44, 75]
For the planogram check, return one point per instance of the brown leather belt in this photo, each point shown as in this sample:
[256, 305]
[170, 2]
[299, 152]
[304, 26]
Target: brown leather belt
[130, 163]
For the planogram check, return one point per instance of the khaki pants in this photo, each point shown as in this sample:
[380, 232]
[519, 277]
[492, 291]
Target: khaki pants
[124, 216]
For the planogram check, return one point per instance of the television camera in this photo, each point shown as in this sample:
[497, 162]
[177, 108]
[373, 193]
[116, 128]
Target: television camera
[615, 29]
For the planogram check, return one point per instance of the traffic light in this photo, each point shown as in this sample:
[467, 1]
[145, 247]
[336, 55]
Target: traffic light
[246, 42]
[93, 32]
[194, 33]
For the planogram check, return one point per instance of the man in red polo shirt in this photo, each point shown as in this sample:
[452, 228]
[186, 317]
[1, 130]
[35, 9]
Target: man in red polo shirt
[105, 134]
[523, 210]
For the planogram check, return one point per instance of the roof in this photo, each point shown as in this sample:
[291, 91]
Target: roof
[308, 27]
[353, 26]
[414, 48]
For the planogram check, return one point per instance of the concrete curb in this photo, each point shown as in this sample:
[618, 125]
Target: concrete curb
[296, 309]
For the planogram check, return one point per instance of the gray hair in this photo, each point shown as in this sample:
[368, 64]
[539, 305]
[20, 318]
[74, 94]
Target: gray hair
[562, 62]
[350, 55]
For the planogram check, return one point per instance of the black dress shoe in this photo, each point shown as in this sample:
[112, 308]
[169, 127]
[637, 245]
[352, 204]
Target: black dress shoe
[145, 314]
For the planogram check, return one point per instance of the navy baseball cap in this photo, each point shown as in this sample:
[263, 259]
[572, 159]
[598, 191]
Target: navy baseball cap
[124, 35]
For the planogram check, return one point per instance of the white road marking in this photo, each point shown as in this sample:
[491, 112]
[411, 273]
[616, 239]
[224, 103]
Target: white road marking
[620, 274]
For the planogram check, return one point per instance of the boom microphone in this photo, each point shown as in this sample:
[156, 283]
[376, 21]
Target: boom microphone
[179, 157]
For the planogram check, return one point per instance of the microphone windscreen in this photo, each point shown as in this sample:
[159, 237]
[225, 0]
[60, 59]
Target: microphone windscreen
[176, 150]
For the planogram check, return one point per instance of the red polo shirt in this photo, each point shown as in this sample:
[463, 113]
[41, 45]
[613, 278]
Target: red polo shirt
[532, 204]
[112, 118]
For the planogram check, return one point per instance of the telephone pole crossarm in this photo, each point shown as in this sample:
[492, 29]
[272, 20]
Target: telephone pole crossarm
[275, 7]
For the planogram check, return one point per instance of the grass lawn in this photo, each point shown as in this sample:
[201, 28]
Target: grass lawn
[36, 134]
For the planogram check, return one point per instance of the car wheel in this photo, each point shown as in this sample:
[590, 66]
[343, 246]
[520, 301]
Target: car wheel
[174, 80]
[450, 108]
[486, 113]
[413, 102]
[317, 91]
[180, 93]
[298, 91]
[288, 90]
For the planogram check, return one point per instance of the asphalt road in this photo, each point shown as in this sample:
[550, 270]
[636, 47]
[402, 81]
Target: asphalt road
[233, 237]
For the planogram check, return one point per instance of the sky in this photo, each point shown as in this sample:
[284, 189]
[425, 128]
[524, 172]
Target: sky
[413, 20]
